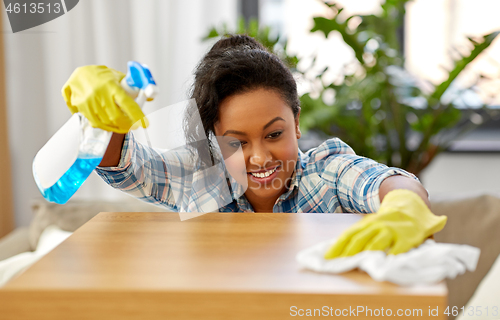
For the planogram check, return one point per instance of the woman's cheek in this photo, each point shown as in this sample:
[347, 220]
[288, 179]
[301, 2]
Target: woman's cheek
[287, 155]
[236, 167]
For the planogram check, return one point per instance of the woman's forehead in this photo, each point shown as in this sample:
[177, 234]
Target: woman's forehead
[256, 106]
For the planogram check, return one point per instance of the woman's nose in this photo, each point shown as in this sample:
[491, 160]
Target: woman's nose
[259, 157]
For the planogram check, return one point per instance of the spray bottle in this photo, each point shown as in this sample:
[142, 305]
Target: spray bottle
[62, 165]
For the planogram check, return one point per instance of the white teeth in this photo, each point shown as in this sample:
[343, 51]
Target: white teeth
[263, 174]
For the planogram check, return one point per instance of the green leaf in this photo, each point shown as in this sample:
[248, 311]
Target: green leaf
[462, 63]
[212, 33]
[328, 25]
[324, 25]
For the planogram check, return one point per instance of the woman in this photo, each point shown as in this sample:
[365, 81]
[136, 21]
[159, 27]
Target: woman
[248, 99]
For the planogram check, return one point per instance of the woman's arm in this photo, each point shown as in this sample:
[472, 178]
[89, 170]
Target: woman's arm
[142, 173]
[153, 175]
[402, 182]
[113, 152]
[357, 180]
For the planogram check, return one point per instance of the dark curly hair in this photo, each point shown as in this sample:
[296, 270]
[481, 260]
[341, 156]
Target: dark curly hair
[235, 64]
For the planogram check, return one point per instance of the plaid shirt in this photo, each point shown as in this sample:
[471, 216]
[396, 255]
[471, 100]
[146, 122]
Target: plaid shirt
[329, 178]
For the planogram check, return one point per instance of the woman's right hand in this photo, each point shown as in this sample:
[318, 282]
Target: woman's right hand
[96, 93]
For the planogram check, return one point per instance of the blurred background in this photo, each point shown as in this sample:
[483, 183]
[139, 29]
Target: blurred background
[409, 83]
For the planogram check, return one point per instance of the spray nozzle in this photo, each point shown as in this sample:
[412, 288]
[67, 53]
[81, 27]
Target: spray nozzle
[139, 82]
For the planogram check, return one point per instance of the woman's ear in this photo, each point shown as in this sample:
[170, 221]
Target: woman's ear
[297, 126]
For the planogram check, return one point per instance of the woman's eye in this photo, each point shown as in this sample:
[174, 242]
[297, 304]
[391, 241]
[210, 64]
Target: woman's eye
[235, 144]
[275, 135]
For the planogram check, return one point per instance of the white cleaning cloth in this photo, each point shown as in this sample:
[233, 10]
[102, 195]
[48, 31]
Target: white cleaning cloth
[429, 263]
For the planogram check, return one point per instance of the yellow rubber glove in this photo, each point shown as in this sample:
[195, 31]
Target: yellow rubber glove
[95, 92]
[402, 223]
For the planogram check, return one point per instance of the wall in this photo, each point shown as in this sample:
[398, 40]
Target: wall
[462, 174]
[166, 35]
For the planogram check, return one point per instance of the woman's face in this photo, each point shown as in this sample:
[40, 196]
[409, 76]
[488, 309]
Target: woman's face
[263, 124]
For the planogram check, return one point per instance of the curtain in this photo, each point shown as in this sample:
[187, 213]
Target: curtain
[164, 34]
[6, 214]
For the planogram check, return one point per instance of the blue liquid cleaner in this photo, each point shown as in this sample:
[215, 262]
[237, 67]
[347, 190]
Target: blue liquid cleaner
[71, 180]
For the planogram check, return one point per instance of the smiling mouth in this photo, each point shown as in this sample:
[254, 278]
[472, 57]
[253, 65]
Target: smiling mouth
[264, 174]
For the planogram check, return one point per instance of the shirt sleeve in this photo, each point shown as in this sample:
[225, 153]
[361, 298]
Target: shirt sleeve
[356, 179]
[144, 173]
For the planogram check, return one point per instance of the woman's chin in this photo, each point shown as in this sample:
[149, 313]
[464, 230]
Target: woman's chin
[263, 191]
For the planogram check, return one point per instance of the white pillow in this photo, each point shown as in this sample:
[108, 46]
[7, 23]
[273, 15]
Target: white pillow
[50, 238]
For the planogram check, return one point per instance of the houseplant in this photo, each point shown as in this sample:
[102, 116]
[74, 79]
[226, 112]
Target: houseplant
[379, 109]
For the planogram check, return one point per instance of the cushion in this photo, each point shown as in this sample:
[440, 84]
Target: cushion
[484, 303]
[474, 221]
[75, 213]
[14, 243]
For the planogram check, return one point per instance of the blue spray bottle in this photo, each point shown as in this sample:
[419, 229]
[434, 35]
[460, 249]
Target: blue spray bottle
[62, 165]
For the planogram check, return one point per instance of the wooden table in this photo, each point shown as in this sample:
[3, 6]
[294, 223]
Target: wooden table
[216, 266]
